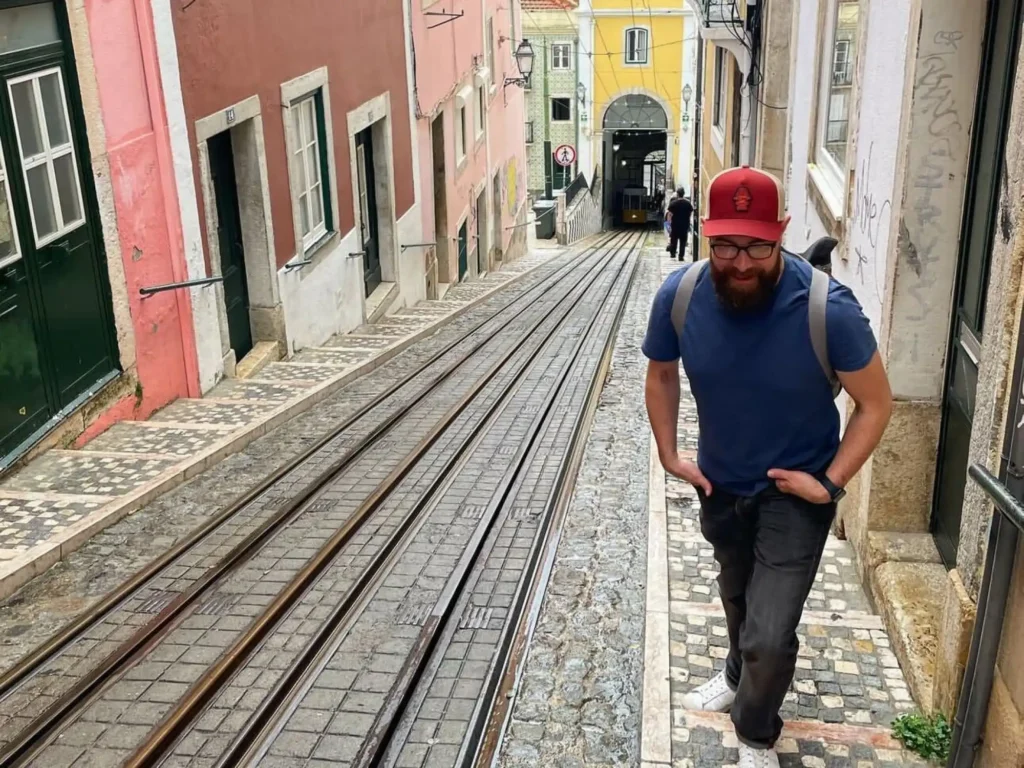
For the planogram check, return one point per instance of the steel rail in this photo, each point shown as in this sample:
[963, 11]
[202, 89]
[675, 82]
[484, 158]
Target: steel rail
[248, 742]
[46, 651]
[374, 750]
[51, 719]
[152, 751]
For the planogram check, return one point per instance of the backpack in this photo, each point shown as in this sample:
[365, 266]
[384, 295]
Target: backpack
[816, 304]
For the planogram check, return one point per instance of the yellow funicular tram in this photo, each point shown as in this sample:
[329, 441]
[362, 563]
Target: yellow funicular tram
[636, 205]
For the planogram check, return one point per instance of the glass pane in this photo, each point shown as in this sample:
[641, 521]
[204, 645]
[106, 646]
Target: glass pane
[313, 158]
[297, 123]
[67, 188]
[8, 247]
[41, 199]
[27, 26]
[301, 166]
[316, 197]
[304, 213]
[23, 97]
[53, 109]
[309, 117]
[840, 80]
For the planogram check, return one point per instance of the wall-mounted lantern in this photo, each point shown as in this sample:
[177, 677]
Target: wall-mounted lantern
[581, 93]
[524, 60]
[687, 95]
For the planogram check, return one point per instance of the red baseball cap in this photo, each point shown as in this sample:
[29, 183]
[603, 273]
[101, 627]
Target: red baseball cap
[747, 202]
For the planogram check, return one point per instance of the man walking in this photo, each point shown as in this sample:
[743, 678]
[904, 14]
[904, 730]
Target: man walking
[763, 341]
[680, 209]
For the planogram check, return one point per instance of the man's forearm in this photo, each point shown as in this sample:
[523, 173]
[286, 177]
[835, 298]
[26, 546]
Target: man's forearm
[662, 395]
[863, 433]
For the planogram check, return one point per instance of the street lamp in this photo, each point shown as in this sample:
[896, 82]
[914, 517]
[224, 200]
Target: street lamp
[687, 94]
[581, 93]
[524, 60]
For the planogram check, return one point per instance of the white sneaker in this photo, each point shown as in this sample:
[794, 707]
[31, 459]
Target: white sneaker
[757, 758]
[714, 696]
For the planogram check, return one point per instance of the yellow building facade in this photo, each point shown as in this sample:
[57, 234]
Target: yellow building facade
[638, 67]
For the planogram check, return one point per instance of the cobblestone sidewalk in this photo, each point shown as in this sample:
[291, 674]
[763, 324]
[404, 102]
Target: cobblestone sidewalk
[848, 686]
[63, 497]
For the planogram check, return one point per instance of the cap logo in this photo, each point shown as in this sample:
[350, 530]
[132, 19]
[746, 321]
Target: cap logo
[742, 199]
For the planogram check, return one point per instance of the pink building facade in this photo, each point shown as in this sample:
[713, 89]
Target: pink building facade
[88, 218]
[470, 136]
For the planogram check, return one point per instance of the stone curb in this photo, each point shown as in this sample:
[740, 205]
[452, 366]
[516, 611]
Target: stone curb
[19, 571]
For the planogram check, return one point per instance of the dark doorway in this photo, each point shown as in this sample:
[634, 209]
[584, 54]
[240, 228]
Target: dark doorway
[496, 216]
[995, 93]
[737, 111]
[463, 250]
[368, 216]
[481, 232]
[440, 199]
[229, 240]
[57, 344]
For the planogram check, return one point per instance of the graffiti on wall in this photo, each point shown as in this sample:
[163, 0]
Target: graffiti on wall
[511, 186]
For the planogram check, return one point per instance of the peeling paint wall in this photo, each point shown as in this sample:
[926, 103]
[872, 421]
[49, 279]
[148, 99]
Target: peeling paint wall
[131, 159]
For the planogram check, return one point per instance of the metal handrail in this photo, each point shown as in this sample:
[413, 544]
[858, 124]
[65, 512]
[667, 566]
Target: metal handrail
[999, 494]
[146, 292]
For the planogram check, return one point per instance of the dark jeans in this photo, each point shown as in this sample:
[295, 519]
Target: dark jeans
[677, 239]
[768, 547]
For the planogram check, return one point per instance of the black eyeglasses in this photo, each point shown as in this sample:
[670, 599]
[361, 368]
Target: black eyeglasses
[729, 251]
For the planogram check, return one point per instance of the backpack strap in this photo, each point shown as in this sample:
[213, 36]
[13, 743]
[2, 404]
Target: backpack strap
[684, 292]
[817, 306]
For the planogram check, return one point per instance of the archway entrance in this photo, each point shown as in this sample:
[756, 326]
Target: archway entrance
[637, 172]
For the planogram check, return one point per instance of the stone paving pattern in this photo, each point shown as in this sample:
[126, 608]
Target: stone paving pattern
[319, 521]
[236, 406]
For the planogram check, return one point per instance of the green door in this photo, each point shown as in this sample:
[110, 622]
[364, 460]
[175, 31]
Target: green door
[229, 239]
[995, 94]
[368, 228]
[463, 251]
[56, 331]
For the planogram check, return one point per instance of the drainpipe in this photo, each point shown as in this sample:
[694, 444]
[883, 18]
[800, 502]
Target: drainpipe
[575, 101]
[698, 143]
[1007, 523]
[547, 125]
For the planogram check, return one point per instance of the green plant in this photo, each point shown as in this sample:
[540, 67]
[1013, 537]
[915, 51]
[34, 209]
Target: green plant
[927, 736]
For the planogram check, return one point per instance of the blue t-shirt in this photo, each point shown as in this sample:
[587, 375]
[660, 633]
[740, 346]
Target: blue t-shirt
[763, 401]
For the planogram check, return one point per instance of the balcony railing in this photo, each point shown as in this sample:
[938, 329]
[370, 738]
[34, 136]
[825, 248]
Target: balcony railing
[721, 12]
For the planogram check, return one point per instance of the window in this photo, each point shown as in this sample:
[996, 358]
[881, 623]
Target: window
[561, 176]
[561, 109]
[480, 111]
[489, 50]
[460, 133]
[636, 45]
[561, 55]
[9, 251]
[47, 154]
[529, 132]
[718, 115]
[836, 88]
[309, 162]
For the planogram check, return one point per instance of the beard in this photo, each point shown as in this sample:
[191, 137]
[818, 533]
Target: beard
[748, 297]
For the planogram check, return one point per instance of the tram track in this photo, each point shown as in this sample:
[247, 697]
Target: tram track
[44, 728]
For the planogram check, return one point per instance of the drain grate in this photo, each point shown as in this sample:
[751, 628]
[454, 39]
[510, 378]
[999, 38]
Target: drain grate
[414, 615]
[217, 605]
[474, 511]
[156, 601]
[476, 618]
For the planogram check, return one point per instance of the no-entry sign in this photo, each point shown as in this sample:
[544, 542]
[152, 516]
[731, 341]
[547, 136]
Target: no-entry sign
[565, 155]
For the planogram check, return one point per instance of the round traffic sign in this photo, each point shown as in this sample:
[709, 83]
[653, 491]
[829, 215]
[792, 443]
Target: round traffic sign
[565, 155]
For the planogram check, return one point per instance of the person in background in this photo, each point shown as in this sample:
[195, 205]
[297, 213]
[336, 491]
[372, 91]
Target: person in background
[680, 210]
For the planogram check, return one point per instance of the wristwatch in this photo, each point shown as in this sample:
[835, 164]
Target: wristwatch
[835, 493]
